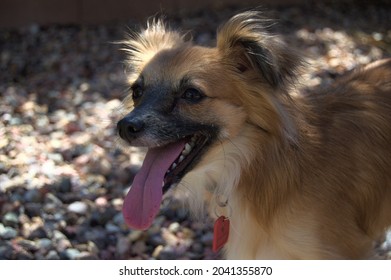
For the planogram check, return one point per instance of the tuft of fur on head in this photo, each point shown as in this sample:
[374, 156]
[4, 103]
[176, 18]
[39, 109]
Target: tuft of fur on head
[142, 46]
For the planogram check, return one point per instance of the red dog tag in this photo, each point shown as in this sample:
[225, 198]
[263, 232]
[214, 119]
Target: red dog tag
[220, 233]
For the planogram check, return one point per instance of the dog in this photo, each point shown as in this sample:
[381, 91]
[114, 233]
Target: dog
[297, 175]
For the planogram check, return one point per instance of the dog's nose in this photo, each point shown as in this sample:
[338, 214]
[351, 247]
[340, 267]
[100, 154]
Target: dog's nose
[128, 128]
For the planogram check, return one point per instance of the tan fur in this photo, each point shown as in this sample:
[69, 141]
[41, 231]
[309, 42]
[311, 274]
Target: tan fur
[305, 176]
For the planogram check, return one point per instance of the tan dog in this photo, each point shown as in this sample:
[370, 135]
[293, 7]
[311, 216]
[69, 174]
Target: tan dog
[298, 176]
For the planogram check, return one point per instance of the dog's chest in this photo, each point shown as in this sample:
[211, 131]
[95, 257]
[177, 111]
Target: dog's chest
[248, 241]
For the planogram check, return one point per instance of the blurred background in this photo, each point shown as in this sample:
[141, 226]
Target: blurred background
[62, 77]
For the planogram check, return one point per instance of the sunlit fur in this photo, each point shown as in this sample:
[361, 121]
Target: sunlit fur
[305, 176]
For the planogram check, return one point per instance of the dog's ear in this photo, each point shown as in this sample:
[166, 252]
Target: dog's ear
[246, 42]
[142, 46]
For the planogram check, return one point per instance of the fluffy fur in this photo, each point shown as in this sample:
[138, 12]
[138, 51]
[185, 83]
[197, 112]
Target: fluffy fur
[305, 176]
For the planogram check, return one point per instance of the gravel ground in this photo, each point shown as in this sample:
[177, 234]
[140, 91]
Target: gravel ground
[62, 176]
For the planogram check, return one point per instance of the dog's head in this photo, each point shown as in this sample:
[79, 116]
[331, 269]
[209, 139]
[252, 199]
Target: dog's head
[186, 100]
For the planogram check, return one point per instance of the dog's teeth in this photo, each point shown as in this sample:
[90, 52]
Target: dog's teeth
[174, 165]
[187, 149]
[181, 158]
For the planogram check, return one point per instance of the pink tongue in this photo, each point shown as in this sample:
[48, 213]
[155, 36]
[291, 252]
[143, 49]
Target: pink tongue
[142, 203]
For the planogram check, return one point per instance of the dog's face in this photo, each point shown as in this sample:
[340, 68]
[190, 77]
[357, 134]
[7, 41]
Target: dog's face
[182, 93]
[186, 100]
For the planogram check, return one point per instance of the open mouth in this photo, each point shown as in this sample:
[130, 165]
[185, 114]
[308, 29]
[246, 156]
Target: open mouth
[162, 168]
[184, 161]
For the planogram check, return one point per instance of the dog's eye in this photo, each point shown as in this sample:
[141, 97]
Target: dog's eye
[137, 91]
[192, 94]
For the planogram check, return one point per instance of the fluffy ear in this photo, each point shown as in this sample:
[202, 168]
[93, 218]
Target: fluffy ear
[246, 42]
[141, 47]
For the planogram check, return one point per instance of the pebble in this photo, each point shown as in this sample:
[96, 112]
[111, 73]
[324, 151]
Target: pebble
[78, 207]
[71, 254]
[174, 227]
[51, 198]
[33, 209]
[38, 232]
[28, 245]
[10, 219]
[92, 248]
[65, 185]
[168, 253]
[111, 228]
[197, 247]
[135, 235]
[44, 244]
[7, 232]
[86, 256]
[156, 252]
[52, 255]
[207, 239]
[5, 251]
[62, 245]
[33, 195]
[138, 248]
[122, 246]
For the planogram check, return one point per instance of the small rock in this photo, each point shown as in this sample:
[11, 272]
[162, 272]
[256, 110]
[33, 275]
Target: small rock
[156, 240]
[120, 221]
[33, 195]
[10, 219]
[22, 254]
[51, 198]
[92, 248]
[38, 232]
[65, 185]
[7, 232]
[170, 238]
[139, 248]
[98, 236]
[44, 244]
[28, 245]
[123, 245]
[174, 227]
[101, 201]
[111, 228]
[207, 239]
[86, 256]
[58, 235]
[197, 247]
[50, 208]
[156, 252]
[78, 207]
[102, 215]
[71, 218]
[135, 235]
[168, 253]
[71, 253]
[117, 203]
[62, 245]
[33, 209]
[52, 255]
